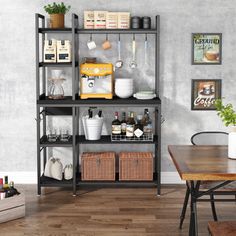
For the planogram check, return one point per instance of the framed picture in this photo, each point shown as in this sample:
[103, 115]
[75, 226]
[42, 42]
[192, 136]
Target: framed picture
[204, 94]
[206, 48]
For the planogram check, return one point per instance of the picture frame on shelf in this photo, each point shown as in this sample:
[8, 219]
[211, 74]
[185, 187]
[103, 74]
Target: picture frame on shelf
[206, 48]
[204, 93]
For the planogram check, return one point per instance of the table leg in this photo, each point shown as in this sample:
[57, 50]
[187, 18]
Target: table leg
[193, 227]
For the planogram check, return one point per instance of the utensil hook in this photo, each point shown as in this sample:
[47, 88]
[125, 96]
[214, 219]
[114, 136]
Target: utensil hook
[91, 37]
[106, 37]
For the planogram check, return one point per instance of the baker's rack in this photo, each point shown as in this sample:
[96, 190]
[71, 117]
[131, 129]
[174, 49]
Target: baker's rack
[70, 106]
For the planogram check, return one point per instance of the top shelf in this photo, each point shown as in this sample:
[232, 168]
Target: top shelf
[50, 30]
[99, 31]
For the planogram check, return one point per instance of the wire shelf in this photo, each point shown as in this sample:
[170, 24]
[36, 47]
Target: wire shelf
[123, 138]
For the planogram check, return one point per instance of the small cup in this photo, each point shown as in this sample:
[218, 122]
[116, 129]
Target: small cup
[91, 45]
[52, 136]
[64, 135]
[106, 45]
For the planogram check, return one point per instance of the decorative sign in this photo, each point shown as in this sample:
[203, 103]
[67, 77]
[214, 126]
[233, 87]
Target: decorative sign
[204, 94]
[206, 48]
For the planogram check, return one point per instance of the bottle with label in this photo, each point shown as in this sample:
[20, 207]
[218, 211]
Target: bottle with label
[130, 126]
[5, 185]
[116, 125]
[138, 128]
[147, 123]
[123, 124]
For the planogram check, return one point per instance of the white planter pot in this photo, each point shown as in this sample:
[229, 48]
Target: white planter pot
[232, 144]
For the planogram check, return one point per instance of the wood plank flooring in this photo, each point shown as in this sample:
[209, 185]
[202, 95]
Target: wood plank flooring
[109, 212]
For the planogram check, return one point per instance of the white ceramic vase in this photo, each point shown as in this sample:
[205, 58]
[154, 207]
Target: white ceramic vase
[232, 143]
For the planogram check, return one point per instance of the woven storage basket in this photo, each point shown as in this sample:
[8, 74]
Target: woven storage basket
[98, 166]
[135, 166]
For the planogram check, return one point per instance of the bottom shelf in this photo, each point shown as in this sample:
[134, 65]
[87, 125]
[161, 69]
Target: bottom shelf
[50, 182]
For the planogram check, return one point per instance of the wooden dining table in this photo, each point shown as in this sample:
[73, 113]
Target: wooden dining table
[202, 163]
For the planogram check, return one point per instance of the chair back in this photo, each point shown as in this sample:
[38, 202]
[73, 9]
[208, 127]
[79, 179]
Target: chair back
[210, 138]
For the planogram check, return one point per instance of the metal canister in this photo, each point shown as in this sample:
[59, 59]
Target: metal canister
[146, 22]
[136, 22]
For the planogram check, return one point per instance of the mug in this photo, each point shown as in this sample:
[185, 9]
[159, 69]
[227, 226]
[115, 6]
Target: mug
[106, 45]
[91, 45]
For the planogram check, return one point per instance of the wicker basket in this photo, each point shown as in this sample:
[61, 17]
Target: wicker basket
[135, 166]
[98, 166]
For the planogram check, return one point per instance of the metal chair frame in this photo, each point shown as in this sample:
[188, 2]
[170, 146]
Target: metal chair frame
[211, 194]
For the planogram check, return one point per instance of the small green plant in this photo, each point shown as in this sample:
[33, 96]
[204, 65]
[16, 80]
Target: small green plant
[226, 112]
[56, 8]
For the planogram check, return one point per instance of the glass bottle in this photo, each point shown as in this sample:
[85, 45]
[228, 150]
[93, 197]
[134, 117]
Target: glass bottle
[147, 123]
[138, 128]
[123, 124]
[116, 125]
[130, 126]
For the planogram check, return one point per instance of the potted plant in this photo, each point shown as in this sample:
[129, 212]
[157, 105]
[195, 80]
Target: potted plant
[57, 12]
[228, 116]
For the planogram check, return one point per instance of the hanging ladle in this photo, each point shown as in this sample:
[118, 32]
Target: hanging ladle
[133, 63]
[145, 49]
[119, 62]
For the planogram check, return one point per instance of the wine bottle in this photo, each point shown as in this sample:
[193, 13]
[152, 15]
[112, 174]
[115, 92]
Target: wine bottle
[5, 185]
[100, 113]
[90, 113]
[138, 128]
[123, 124]
[147, 123]
[130, 126]
[116, 125]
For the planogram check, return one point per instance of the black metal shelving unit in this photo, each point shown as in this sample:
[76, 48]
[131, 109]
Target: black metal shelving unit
[70, 106]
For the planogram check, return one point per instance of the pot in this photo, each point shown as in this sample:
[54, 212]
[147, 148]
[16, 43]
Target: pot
[232, 143]
[57, 21]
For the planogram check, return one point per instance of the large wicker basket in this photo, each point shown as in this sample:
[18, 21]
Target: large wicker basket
[98, 166]
[135, 166]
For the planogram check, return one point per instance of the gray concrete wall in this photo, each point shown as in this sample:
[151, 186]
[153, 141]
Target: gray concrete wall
[179, 18]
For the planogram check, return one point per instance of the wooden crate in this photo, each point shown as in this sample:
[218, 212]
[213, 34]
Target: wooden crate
[12, 208]
[98, 166]
[135, 166]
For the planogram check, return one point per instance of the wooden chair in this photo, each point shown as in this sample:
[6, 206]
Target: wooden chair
[206, 138]
[223, 228]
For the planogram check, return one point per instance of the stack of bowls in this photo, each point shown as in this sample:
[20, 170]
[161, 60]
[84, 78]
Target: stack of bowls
[124, 87]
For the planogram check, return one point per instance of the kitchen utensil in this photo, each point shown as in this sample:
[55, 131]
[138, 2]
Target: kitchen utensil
[146, 22]
[133, 63]
[56, 90]
[145, 49]
[91, 44]
[145, 95]
[119, 62]
[106, 44]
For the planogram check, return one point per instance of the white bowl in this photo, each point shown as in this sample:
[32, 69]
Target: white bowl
[124, 94]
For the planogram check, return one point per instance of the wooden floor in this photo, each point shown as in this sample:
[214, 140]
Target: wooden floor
[108, 212]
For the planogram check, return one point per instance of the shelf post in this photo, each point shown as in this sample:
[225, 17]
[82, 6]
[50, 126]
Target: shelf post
[157, 56]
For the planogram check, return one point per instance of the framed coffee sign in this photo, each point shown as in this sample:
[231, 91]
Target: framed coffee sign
[204, 94]
[206, 48]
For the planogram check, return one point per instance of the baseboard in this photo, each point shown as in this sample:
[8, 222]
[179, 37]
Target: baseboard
[31, 177]
[171, 178]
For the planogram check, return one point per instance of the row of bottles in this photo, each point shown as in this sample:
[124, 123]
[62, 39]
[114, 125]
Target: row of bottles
[130, 127]
[7, 189]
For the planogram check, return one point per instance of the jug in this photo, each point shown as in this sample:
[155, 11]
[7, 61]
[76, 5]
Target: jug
[56, 90]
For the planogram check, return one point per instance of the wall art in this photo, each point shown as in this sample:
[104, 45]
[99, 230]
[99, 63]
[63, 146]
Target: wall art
[204, 94]
[206, 48]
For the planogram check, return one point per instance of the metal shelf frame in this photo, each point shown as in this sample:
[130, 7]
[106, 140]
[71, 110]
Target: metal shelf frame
[70, 106]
